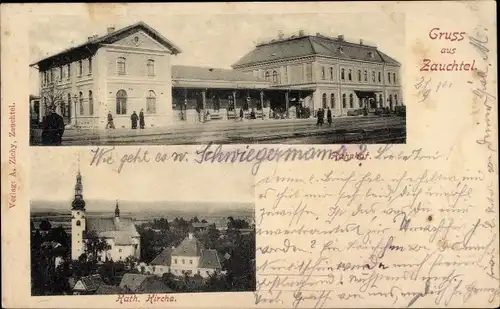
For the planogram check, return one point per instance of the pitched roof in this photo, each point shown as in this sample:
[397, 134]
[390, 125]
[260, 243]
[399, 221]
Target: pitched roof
[107, 227]
[189, 247]
[209, 259]
[310, 45]
[104, 289]
[133, 281]
[212, 74]
[92, 282]
[164, 258]
[117, 35]
[153, 285]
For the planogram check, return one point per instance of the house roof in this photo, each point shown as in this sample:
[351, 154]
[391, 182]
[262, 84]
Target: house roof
[92, 282]
[313, 45]
[190, 246]
[108, 289]
[164, 258]
[209, 259]
[117, 35]
[122, 230]
[133, 281]
[153, 285]
[182, 72]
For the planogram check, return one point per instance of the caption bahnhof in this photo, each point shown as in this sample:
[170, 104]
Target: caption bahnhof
[130, 70]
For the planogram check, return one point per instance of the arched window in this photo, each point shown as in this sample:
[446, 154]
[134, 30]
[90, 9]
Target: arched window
[275, 77]
[359, 75]
[90, 65]
[268, 76]
[151, 67]
[323, 74]
[82, 110]
[366, 76]
[121, 66]
[350, 75]
[78, 223]
[342, 74]
[351, 101]
[121, 102]
[331, 73]
[69, 70]
[80, 68]
[332, 100]
[61, 73]
[151, 102]
[394, 77]
[344, 105]
[324, 100]
[91, 103]
[389, 77]
[373, 76]
[379, 77]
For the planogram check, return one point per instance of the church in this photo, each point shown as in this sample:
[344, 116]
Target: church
[120, 234]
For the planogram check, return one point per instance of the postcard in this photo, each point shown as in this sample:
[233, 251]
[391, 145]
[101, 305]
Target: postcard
[250, 155]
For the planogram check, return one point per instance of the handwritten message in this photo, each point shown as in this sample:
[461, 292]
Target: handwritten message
[390, 237]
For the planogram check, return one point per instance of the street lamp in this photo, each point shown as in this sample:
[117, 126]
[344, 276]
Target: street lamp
[75, 97]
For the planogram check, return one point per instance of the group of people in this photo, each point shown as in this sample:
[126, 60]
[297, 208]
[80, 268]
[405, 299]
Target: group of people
[134, 118]
[321, 116]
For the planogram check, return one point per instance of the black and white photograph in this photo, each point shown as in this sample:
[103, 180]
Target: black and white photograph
[136, 236]
[226, 79]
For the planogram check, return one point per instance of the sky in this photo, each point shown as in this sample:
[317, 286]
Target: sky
[213, 36]
[54, 170]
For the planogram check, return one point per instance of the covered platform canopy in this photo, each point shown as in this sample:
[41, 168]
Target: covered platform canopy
[213, 88]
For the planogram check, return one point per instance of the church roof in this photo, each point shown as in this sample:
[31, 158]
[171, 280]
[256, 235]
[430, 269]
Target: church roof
[122, 231]
[164, 258]
[189, 247]
[115, 36]
[209, 259]
[313, 45]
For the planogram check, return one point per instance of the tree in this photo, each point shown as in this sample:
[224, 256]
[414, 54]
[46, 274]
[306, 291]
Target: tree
[95, 245]
[45, 226]
[52, 97]
[59, 235]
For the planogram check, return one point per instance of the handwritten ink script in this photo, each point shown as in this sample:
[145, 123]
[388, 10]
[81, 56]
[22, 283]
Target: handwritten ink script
[385, 236]
[217, 154]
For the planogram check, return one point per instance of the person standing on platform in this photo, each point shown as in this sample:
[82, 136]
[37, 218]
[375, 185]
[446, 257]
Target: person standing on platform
[110, 124]
[142, 124]
[329, 116]
[134, 119]
[241, 114]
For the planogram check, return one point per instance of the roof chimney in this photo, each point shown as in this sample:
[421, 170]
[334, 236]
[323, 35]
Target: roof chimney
[341, 37]
[281, 35]
[111, 29]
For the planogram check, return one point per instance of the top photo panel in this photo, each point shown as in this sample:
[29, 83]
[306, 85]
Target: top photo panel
[224, 79]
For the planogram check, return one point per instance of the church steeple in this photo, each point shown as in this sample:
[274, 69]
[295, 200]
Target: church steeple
[78, 202]
[117, 210]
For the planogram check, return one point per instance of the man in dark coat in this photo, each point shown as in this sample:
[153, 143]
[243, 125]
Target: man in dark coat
[241, 114]
[134, 119]
[53, 129]
[142, 124]
[329, 116]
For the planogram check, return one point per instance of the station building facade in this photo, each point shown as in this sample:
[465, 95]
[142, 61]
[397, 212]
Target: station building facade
[130, 70]
[339, 74]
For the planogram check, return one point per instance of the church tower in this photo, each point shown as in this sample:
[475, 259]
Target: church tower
[77, 219]
[117, 215]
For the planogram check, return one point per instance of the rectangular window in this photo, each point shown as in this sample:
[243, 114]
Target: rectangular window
[60, 73]
[69, 70]
[80, 68]
[90, 65]
[175, 261]
[151, 67]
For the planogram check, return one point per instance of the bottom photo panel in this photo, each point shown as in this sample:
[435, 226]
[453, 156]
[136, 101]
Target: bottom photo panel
[96, 232]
